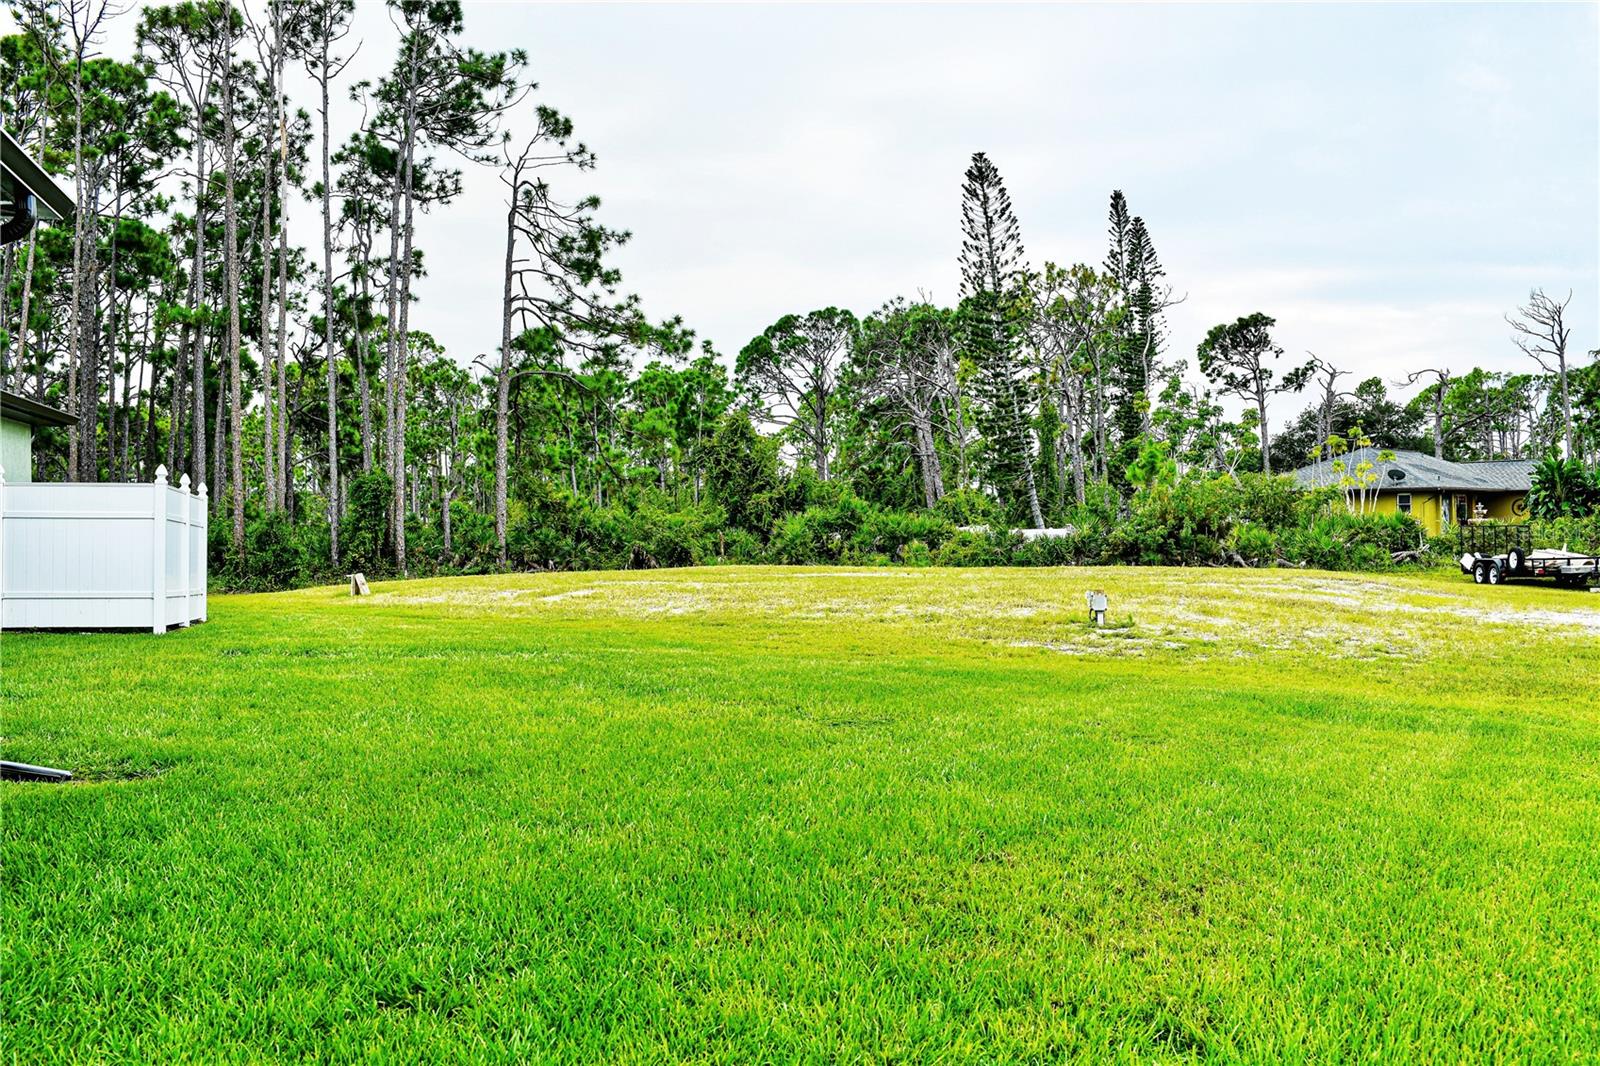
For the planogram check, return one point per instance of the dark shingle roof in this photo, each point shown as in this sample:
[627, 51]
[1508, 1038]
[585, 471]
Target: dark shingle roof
[1409, 471]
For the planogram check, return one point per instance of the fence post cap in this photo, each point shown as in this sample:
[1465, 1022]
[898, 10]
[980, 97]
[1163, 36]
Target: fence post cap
[183, 482]
[202, 488]
[161, 474]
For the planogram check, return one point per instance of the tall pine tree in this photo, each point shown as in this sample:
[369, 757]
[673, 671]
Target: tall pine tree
[1132, 263]
[992, 272]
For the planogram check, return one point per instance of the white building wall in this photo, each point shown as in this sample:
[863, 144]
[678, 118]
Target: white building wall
[16, 450]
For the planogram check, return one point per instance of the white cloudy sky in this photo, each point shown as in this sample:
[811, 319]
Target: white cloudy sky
[1386, 181]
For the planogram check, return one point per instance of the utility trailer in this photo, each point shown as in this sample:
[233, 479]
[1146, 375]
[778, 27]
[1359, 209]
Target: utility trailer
[1496, 552]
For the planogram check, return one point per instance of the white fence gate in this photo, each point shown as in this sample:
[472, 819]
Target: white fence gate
[102, 556]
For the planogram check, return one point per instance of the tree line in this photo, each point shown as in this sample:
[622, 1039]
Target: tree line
[178, 323]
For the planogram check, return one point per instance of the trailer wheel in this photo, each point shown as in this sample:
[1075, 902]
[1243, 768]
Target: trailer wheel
[1515, 560]
[1496, 575]
[1480, 572]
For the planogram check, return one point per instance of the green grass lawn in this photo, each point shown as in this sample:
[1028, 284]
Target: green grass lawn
[775, 815]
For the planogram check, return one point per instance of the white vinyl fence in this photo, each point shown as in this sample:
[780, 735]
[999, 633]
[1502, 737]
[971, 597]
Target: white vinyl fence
[102, 556]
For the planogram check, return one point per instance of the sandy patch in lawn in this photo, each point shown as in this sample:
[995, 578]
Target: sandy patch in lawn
[1588, 621]
[557, 597]
[1195, 613]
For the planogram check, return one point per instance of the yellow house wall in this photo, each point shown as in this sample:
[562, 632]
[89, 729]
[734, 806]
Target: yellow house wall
[1428, 506]
[1502, 506]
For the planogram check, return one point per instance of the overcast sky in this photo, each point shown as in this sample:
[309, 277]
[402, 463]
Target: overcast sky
[1386, 181]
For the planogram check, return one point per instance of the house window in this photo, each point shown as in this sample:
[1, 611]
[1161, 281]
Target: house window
[1402, 502]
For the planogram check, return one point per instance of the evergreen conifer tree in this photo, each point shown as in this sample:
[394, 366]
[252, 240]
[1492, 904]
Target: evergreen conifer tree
[991, 283]
[1132, 263]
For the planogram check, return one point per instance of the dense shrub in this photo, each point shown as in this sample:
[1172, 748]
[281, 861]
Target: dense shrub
[1184, 524]
[742, 473]
[1339, 540]
[673, 538]
[967, 507]
[992, 546]
[1254, 543]
[1049, 551]
[1192, 521]
[278, 554]
[1563, 488]
[1574, 534]
[888, 532]
[364, 534]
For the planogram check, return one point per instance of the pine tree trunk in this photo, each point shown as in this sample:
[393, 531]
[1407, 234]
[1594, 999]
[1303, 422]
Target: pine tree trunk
[1027, 460]
[1074, 415]
[502, 388]
[129, 403]
[27, 305]
[927, 459]
[269, 432]
[197, 357]
[10, 254]
[283, 296]
[219, 436]
[1101, 471]
[176, 427]
[231, 236]
[1566, 399]
[392, 369]
[80, 221]
[327, 313]
[87, 341]
[403, 340]
[1438, 422]
[150, 402]
[1266, 439]
[820, 429]
[364, 238]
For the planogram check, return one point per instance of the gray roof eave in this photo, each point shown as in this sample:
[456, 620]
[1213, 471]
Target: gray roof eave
[16, 408]
[55, 202]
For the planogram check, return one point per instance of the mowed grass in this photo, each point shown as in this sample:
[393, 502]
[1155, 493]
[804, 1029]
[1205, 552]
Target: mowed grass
[749, 815]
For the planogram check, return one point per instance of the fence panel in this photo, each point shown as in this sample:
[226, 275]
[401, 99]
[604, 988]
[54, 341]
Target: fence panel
[100, 556]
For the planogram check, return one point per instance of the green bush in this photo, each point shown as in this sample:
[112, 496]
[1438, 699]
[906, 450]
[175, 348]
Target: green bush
[673, 538]
[1574, 534]
[965, 547]
[275, 554]
[1563, 488]
[1253, 543]
[967, 507]
[1048, 551]
[916, 553]
[887, 532]
[1339, 540]
[364, 533]
[1190, 521]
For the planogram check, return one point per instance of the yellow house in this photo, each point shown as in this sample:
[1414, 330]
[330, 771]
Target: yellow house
[1438, 493]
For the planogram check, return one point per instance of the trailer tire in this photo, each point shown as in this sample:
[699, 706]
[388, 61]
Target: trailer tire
[1515, 559]
[1480, 572]
[1496, 575]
